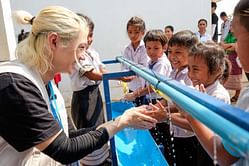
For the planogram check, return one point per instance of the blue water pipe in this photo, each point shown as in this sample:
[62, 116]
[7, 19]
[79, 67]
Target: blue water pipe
[227, 121]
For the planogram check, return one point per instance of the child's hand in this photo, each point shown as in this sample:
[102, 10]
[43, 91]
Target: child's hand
[158, 112]
[201, 88]
[130, 96]
[128, 79]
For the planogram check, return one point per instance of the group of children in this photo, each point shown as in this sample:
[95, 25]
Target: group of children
[188, 61]
[192, 64]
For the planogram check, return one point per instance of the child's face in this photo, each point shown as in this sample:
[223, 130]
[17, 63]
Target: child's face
[135, 34]
[168, 33]
[202, 25]
[90, 37]
[242, 35]
[154, 49]
[199, 73]
[178, 56]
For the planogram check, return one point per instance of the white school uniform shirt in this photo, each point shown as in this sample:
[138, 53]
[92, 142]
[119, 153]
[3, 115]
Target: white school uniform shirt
[203, 38]
[243, 104]
[138, 56]
[161, 66]
[225, 27]
[81, 82]
[182, 77]
[218, 91]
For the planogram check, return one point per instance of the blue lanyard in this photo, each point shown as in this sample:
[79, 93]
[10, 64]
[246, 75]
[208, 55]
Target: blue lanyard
[53, 104]
[54, 108]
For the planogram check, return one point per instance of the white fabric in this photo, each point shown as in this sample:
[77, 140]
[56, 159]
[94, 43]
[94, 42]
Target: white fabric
[218, 91]
[225, 27]
[163, 67]
[138, 56]
[182, 77]
[203, 38]
[243, 104]
[31, 157]
[91, 58]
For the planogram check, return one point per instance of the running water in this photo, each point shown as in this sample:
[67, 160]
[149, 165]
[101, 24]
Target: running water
[215, 161]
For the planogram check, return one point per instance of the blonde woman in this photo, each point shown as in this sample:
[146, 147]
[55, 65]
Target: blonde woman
[33, 120]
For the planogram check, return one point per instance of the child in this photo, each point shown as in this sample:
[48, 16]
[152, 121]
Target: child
[156, 44]
[136, 53]
[207, 64]
[178, 50]
[86, 100]
[226, 155]
[169, 31]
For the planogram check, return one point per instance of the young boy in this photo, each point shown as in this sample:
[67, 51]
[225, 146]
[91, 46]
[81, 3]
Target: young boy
[156, 44]
[87, 102]
[136, 53]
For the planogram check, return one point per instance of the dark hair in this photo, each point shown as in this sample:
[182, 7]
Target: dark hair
[88, 20]
[213, 4]
[202, 19]
[226, 72]
[156, 35]
[170, 27]
[242, 11]
[214, 57]
[136, 21]
[184, 38]
[222, 14]
[23, 35]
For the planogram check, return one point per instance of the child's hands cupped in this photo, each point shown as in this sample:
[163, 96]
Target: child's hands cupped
[157, 111]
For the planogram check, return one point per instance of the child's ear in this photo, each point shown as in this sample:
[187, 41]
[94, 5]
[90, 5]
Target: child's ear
[165, 47]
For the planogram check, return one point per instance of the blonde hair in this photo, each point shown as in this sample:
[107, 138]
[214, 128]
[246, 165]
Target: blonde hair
[34, 50]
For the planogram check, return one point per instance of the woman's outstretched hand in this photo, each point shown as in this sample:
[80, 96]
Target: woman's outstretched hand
[138, 117]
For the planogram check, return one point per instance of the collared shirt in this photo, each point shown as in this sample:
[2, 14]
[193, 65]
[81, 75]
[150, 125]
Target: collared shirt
[218, 91]
[203, 38]
[81, 82]
[138, 56]
[243, 104]
[225, 27]
[161, 66]
[182, 77]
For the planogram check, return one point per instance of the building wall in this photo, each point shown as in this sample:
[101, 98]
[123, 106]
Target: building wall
[111, 16]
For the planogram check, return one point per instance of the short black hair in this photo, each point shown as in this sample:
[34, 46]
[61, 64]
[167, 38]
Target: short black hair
[213, 4]
[170, 27]
[222, 14]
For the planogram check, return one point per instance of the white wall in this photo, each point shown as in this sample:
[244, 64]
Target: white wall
[111, 16]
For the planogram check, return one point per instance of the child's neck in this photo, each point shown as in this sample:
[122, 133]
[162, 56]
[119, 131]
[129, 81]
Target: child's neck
[135, 45]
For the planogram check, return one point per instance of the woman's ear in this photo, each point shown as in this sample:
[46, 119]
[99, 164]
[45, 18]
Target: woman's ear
[53, 40]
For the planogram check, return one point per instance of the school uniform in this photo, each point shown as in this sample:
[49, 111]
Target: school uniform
[138, 56]
[203, 38]
[218, 91]
[184, 142]
[86, 105]
[242, 103]
[163, 67]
